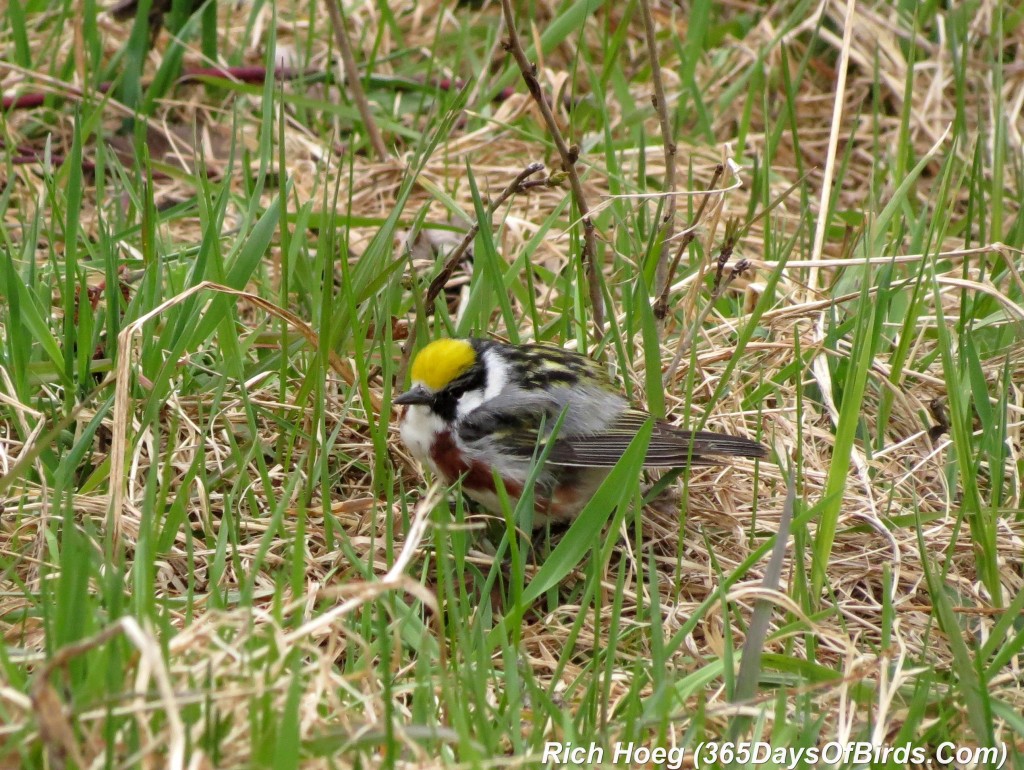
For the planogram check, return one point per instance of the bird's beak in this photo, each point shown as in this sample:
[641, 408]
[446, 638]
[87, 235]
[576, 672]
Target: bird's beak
[416, 395]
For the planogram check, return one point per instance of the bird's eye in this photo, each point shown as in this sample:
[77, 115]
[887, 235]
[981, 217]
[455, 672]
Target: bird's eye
[445, 404]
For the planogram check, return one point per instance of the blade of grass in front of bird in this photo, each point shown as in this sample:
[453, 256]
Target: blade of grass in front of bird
[615, 490]
[520, 518]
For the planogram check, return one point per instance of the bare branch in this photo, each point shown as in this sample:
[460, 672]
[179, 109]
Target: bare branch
[722, 282]
[355, 85]
[661, 305]
[569, 155]
[661, 276]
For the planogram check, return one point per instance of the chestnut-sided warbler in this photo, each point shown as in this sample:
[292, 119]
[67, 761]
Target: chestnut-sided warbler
[477, 407]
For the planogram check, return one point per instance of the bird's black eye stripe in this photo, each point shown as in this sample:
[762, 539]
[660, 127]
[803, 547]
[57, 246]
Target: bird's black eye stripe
[446, 400]
[445, 405]
[474, 379]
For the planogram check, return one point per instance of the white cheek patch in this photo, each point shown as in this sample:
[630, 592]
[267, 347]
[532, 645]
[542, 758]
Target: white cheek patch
[469, 401]
[497, 375]
[497, 379]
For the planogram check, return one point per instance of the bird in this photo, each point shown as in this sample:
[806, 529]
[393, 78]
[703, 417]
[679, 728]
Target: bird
[479, 407]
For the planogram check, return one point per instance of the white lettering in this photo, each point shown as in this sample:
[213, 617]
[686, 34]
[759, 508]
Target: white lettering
[623, 753]
[551, 752]
[674, 760]
[942, 752]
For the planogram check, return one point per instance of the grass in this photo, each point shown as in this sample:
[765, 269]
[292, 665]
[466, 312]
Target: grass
[214, 550]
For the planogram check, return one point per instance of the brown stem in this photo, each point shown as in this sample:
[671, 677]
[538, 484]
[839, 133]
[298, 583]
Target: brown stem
[352, 76]
[661, 306]
[661, 107]
[722, 281]
[723, 259]
[569, 155]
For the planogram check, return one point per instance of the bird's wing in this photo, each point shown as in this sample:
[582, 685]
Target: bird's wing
[669, 447]
[519, 431]
[515, 425]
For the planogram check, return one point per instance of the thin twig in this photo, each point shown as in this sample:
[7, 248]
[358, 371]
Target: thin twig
[569, 156]
[722, 281]
[517, 185]
[355, 85]
[661, 305]
[661, 107]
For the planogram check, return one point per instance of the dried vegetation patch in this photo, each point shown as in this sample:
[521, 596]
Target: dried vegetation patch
[264, 579]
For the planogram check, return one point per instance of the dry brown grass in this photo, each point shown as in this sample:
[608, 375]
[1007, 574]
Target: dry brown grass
[222, 659]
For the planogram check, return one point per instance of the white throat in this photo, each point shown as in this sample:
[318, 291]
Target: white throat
[418, 429]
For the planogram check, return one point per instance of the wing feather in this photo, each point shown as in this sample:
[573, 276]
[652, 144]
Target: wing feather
[670, 447]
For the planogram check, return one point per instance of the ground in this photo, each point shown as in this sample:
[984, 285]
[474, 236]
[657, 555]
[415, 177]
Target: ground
[215, 550]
